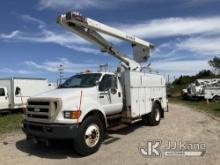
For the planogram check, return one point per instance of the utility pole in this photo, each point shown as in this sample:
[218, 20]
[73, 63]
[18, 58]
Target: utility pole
[61, 72]
[103, 67]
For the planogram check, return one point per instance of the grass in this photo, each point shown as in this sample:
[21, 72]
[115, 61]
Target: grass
[212, 108]
[10, 123]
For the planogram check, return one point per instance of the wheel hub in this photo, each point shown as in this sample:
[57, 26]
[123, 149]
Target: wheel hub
[92, 135]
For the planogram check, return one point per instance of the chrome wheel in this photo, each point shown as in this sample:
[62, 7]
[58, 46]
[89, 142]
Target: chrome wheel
[92, 135]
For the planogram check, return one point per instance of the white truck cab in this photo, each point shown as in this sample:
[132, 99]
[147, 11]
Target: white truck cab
[87, 104]
[87, 91]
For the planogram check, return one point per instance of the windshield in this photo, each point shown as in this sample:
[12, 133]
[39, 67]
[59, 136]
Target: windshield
[81, 81]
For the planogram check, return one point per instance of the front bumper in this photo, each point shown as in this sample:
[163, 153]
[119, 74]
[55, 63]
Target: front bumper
[50, 131]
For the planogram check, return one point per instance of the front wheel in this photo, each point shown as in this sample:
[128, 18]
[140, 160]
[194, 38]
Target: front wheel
[153, 118]
[89, 137]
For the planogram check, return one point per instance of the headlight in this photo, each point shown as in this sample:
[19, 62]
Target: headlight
[71, 114]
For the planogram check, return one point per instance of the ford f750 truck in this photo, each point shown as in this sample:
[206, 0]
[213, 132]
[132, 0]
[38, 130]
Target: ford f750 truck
[86, 105]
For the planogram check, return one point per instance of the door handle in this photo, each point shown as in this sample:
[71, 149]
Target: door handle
[101, 97]
[119, 94]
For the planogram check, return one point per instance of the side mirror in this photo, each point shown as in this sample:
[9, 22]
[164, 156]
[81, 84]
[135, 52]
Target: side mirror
[17, 91]
[97, 83]
[113, 91]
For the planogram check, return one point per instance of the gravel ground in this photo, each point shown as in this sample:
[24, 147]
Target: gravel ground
[121, 147]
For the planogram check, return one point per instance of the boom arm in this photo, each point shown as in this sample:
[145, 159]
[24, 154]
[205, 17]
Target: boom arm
[88, 29]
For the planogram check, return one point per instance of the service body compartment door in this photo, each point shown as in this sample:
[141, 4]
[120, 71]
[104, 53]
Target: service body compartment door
[148, 102]
[135, 102]
[142, 101]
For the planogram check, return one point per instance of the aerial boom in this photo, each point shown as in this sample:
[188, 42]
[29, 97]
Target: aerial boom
[89, 29]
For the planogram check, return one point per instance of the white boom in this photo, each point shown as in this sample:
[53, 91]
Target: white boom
[88, 29]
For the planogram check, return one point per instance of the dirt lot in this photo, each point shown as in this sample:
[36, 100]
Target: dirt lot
[181, 124]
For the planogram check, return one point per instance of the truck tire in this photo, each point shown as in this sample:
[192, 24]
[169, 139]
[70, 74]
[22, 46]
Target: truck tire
[89, 137]
[153, 118]
[216, 99]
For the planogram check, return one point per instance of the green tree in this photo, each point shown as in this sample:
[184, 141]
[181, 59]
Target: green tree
[185, 80]
[215, 63]
[205, 74]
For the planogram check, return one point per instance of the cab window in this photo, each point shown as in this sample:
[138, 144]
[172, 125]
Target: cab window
[108, 82]
[2, 92]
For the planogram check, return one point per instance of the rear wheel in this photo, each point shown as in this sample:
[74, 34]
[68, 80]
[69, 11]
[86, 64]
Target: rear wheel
[216, 99]
[90, 136]
[154, 117]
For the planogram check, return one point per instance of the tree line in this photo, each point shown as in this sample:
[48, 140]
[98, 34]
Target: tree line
[215, 73]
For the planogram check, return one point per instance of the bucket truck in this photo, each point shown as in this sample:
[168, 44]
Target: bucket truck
[199, 88]
[86, 105]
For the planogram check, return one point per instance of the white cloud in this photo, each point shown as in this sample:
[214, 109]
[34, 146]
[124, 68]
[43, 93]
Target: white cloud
[199, 35]
[66, 3]
[201, 45]
[11, 35]
[105, 4]
[69, 67]
[168, 27]
[66, 39]
[177, 68]
[198, 47]
[30, 19]
[15, 71]
[81, 4]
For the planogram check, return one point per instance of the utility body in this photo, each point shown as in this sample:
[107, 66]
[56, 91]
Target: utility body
[15, 91]
[212, 91]
[86, 105]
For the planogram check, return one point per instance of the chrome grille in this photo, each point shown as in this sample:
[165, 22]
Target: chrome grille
[38, 116]
[38, 103]
[42, 110]
[38, 109]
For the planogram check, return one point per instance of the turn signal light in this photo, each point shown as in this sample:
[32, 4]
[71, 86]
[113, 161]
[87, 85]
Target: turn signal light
[72, 114]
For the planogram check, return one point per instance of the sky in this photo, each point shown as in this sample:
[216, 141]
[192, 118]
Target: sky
[186, 34]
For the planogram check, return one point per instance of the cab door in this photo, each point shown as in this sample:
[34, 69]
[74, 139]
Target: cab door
[110, 94]
[3, 98]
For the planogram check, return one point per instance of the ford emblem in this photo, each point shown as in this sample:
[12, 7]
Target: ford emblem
[36, 110]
